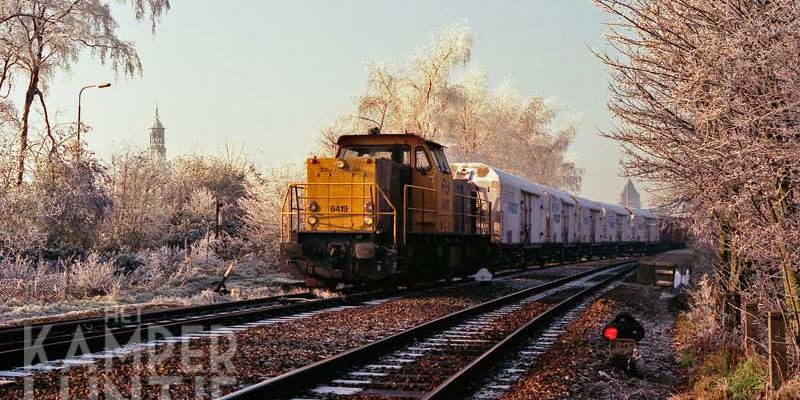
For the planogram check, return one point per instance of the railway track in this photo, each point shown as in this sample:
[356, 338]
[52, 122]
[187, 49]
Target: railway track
[45, 346]
[438, 359]
[19, 345]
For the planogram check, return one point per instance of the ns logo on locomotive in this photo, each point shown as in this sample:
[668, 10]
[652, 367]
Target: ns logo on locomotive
[390, 206]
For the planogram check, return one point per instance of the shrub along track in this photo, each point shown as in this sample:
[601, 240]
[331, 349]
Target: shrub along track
[287, 343]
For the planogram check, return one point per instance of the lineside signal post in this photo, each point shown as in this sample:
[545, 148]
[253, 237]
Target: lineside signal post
[622, 334]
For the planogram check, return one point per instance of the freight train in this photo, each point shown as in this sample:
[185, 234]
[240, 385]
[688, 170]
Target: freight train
[391, 206]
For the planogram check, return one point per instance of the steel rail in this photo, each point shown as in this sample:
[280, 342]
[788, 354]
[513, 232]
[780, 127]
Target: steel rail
[14, 337]
[18, 354]
[11, 330]
[296, 380]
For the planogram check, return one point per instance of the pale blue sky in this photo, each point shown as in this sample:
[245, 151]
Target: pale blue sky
[266, 75]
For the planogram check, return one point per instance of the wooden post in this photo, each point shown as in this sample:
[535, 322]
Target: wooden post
[67, 289]
[750, 328]
[777, 350]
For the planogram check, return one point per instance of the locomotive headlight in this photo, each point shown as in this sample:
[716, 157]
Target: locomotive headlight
[368, 221]
[313, 206]
[312, 220]
[340, 164]
[368, 207]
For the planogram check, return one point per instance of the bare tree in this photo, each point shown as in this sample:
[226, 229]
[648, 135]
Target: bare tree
[479, 124]
[41, 37]
[707, 97]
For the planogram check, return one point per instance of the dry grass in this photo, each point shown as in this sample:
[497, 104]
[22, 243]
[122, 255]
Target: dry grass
[92, 277]
[790, 390]
[699, 330]
[164, 275]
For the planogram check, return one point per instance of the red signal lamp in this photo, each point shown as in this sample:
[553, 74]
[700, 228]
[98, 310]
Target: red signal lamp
[610, 332]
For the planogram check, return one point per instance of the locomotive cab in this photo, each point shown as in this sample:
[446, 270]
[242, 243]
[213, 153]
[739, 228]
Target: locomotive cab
[356, 210]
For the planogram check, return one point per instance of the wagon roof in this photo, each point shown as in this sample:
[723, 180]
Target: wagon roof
[586, 203]
[615, 208]
[641, 212]
[504, 177]
[564, 196]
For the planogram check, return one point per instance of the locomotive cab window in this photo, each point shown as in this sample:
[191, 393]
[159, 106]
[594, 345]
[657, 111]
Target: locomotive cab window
[398, 153]
[422, 161]
[441, 160]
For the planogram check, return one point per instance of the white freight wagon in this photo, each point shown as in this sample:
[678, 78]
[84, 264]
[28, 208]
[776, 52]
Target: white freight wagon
[563, 213]
[519, 207]
[618, 224]
[591, 221]
[527, 216]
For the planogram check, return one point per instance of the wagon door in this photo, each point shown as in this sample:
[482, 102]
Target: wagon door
[594, 218]
[565, 222]
[524, 220]
[548, 219]
[575, 227]
[528, 206]
[537, 218]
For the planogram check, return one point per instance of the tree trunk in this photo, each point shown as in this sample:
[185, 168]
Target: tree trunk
[780, 209]
[790, 294]
[728, 262]
[30, 95]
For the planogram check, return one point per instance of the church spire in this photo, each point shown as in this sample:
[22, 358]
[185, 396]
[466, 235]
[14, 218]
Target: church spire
[158, 150]
[630, 196]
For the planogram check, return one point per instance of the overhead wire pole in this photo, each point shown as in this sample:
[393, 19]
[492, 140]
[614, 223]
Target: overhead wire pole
[80, 95]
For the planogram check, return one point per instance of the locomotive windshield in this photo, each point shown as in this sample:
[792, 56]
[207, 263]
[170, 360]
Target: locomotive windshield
[398, 153]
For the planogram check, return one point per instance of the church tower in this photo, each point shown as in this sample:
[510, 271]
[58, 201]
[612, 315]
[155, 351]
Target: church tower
[630, 196]
[157, 149]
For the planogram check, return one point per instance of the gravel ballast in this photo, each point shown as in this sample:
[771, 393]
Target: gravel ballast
[577, 366]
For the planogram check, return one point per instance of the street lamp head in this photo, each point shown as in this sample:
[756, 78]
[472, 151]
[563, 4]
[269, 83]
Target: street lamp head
[103, 85]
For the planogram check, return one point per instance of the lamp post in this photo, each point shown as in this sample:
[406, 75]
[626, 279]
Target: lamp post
[80, 94]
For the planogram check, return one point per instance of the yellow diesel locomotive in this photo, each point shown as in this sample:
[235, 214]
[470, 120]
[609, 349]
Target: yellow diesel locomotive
[387, 205]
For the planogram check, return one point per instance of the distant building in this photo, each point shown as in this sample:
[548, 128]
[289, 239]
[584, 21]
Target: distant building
[157, 149]
[630, 196]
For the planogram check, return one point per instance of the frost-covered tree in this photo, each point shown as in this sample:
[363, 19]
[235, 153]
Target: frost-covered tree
[707, 97]
[435, 96]
[415, 98]
[262, 207]
[469, 130]
[39, 38]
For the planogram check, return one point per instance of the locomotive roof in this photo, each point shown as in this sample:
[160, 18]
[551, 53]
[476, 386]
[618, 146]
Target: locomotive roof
[386, 138]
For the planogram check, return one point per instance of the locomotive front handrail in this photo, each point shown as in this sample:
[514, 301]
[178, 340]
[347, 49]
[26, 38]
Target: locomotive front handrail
[297, 212]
